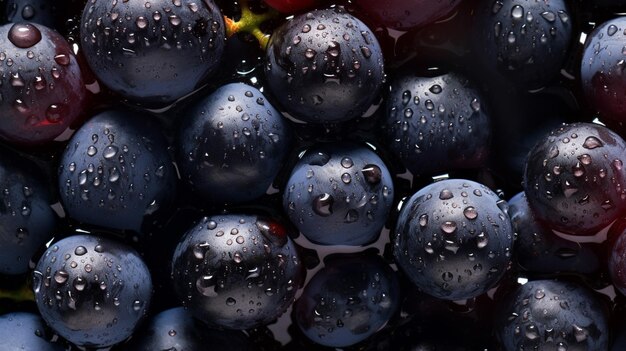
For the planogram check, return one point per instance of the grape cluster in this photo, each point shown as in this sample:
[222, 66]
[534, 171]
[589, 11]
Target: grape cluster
[312, 175]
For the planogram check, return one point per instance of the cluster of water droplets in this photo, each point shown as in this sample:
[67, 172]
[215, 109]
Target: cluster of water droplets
[164, 24]
[332, 51]
[576, 176]
[240, 269]
[461, 228]
[330, 190]
[547, 313]
[38, 73]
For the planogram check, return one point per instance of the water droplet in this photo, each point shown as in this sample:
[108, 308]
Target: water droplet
[351, 216]
[517, 12]
[346, 178]
[435, 89]
[61, 277]
[80, 250]
[79, 283]
[91, 150]
[372, 174]
[611, 30]
[323, 205]
[141, 22]
[579, 333]
[230, 301]
[446, 195]
[110, 151]
[423, 220]
[540, 294]
[548, 16]
[592, 143]
[55, 112]
[482, 240]
[470, 212]
[24, 35]
[448, 227]
[62, 59]
[347, 162]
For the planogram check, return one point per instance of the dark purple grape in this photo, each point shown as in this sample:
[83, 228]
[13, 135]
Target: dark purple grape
[115, 170]
[92, 291]
[406, 14]
[41, 84]
[552, 315]
[339, 194]
[27, 220]
[152, 52]
[538, 249]
[617, 262]
[232, 144]
[176, 329]
[436, 124]
[602, 67]
[348, 300]
[236, 271]
[21, 331]
[38, 11]
[574, 179]
[453, 240]
[324, 66]
[525, 41]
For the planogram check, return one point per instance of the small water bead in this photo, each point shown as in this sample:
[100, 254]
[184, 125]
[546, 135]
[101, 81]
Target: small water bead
[446, 194]
[448, 227]
[470, 212]
[61, 277]
[346, 178]
[24, 35]
[141, 22]
[548, 16]
[79, 283]
[62, 59]
[230, 301]
[92, 150]
[351, 216]
[347, 162]
[309, 53]
[517, 12]
[423, 220]
[611, 30]
[80, 250]
[435, 89]
[174, 20]
[323, 205]
[592, 143]
[372, 174]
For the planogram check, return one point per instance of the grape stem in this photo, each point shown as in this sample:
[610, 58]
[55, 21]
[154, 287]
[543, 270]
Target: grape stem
[23, 293]
[250, 22]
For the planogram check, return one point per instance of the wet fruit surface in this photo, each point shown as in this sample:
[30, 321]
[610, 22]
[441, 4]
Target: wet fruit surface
[309, 175]
[437, 123]
[236, 271]
[232, 144]
[347, 301]
[525, 41]
[339, 194]
[453, 240]
[152, 52]
[325, 66]
[574, 178]
[93, 291]
[116, 164]
[548, 314]
[42, 86]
